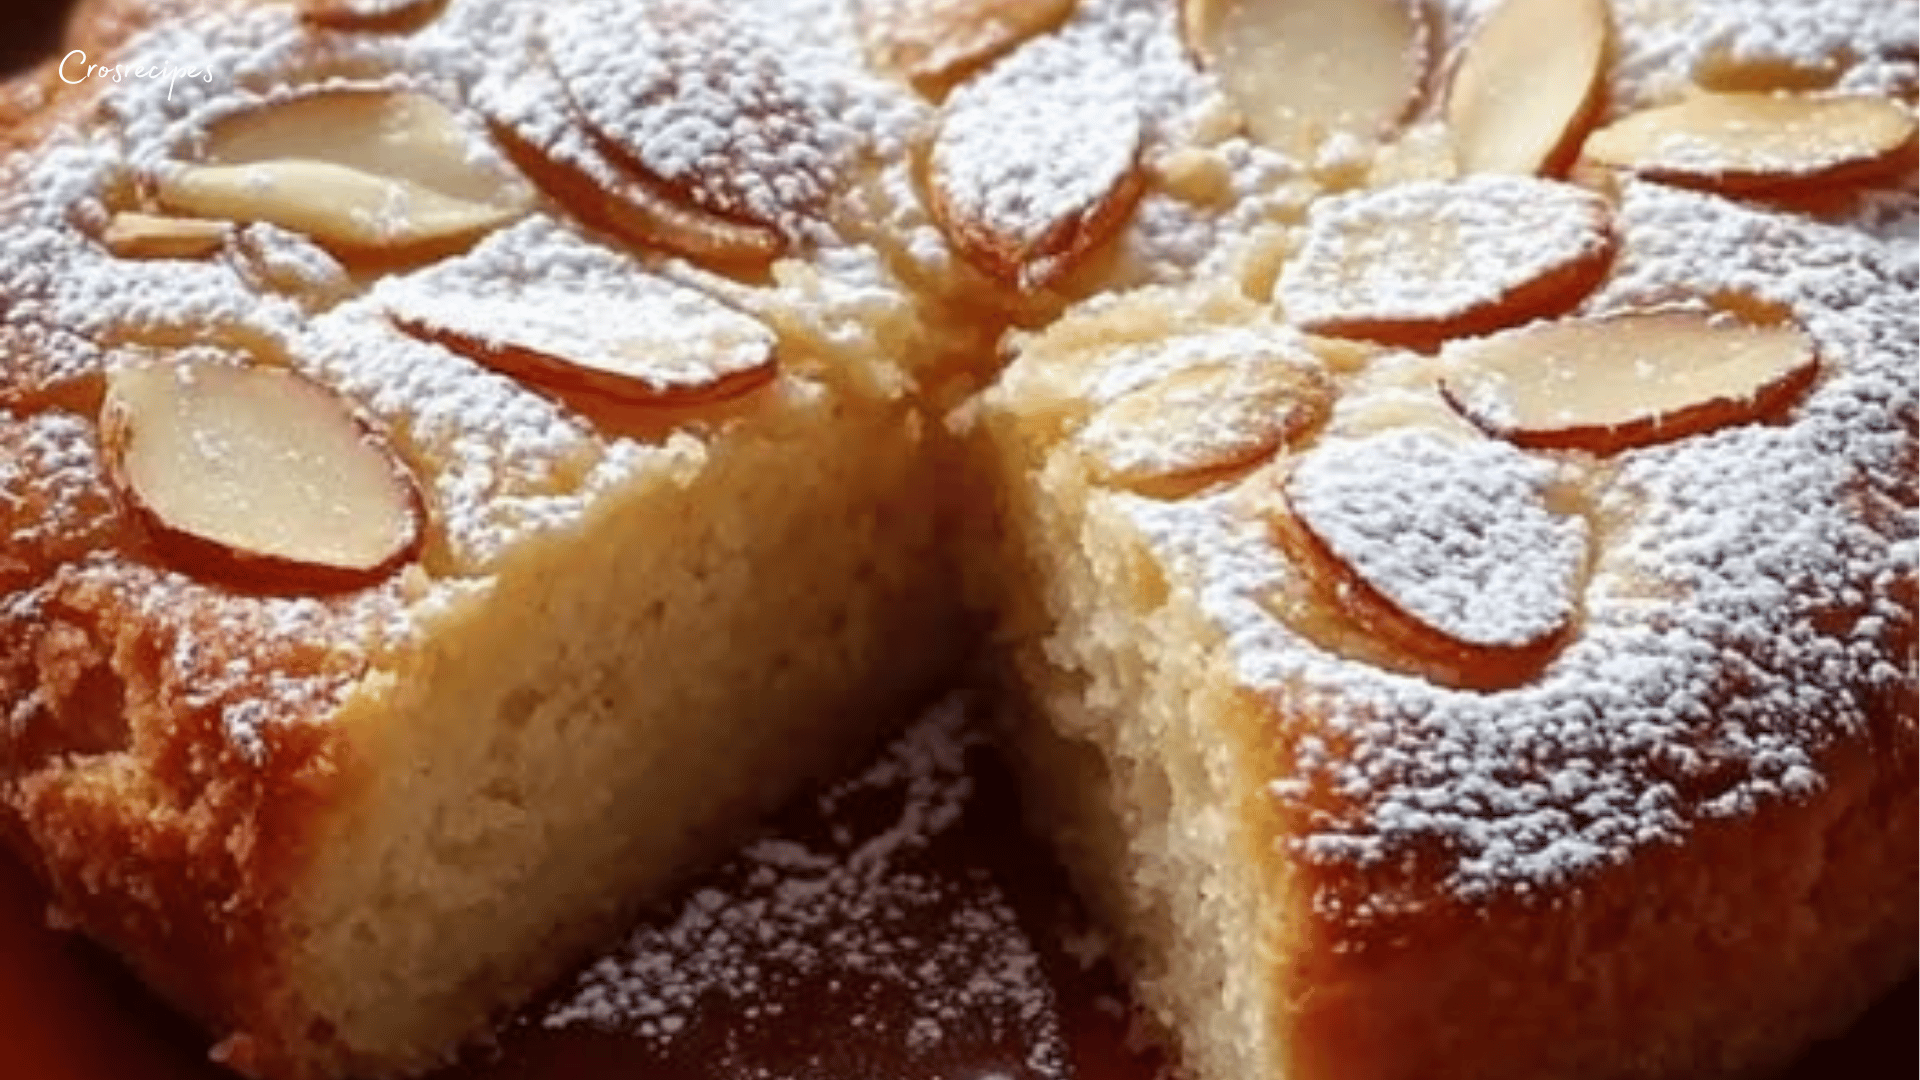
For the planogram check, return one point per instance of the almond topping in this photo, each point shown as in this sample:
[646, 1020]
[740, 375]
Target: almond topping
[708, 112]
[601, 193]
[377, 16]
[592, 327]
[147, 236]
[1299, 70]
[1445, 548]
[1422, 262]
[1607, 384]
[1036, 164]
[257, 476]
[1174, 436]
[362, 171]
[1527, 85]
[1750, 143]
[934, 44]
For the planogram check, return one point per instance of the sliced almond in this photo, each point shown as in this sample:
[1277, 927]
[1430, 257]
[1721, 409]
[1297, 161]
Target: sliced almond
[1299, 70]
[360, 170]
[1527, 85]
[132, 235]
[934, 44]
[1729, 70]
[686, 351]
[602, 195]
[371, 16]
[1036, 164]
[1445, 548]
[591, 327]
[1174, 436]
[1611, 383]
[1416, 264]
[257, 476]
[1760, 143]
[708, 112]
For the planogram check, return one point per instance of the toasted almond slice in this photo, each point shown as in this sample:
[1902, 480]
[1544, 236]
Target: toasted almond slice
[133, 235]
[709, 112]
[1760, 143]
[1036, 164]
[1446, 548]
[1416, 264]
[387, 133]
[346, 210]
[372, 16]
[1301, 69]
[527, 111]
[589, 185]
[370, 170]
[1179, 434]
[1727, 70]
[1527, 85]
[593, 328]
[686, 350]
[257, 476]
[936, 43]
[1611, 383]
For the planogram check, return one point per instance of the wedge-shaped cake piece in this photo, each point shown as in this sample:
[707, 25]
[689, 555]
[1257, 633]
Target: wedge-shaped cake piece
[347, 824]
[1527, 84]
[1757, 143]
[368, 172]
[1481, 780]
[257, 476]
[1631, 379]
[1421, 262]
[1300, 70]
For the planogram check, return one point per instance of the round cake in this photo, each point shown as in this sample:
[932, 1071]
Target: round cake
[1432, 483]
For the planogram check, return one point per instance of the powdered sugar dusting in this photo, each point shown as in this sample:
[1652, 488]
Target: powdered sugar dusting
[1433, 250]
[846, 905]
[1455, 534]
[701, 100]
[1662, 47]
[1036, 145]
[1739, 618]
[540, 287]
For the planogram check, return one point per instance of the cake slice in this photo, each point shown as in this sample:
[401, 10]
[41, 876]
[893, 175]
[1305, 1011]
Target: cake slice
[1391, 746]
[402, 582]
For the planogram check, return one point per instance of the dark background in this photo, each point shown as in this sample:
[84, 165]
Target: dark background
[28, 30]
[1883, 1045]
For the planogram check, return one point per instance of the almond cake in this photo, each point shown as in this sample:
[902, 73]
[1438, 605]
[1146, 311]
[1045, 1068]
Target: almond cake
[1437, 478]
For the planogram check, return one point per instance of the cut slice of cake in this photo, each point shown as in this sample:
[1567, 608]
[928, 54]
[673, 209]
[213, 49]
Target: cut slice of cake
[401, 582]
[1395, 749]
